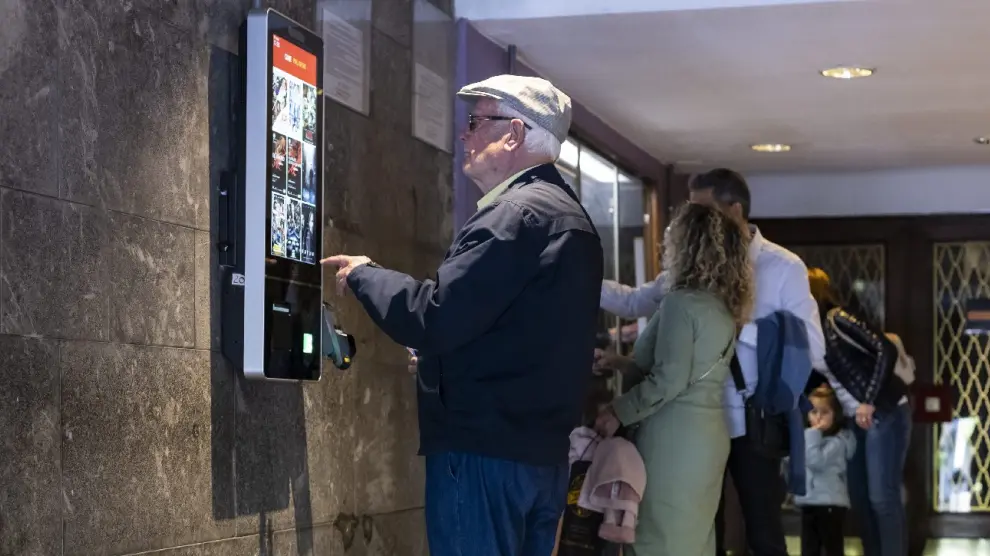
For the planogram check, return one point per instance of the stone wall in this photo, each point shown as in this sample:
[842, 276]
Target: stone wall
[122, 430]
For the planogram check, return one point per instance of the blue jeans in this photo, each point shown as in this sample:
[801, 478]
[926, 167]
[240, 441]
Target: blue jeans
[876, 474]
[478, 506]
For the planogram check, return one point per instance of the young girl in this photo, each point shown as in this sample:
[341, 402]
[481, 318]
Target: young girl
[828, 448]
[862, 366]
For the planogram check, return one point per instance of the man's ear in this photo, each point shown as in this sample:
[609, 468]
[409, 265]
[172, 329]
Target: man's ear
[516, 135]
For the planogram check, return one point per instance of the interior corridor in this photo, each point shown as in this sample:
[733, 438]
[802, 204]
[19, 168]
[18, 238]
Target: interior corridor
[865, 154]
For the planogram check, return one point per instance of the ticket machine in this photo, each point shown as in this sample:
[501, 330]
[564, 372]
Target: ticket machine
[275, 324]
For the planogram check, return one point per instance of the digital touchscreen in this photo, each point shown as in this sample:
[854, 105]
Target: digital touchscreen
[293, 170]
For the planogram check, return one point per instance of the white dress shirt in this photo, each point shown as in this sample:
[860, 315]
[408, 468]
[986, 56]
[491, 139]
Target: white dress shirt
[781, 285]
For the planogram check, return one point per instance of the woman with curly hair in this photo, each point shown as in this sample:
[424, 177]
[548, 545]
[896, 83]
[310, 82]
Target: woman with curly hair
[683, 360]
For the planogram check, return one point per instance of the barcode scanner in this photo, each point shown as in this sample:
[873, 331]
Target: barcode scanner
[338, 345]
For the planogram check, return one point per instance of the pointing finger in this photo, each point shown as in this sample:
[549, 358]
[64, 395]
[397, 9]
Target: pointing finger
[336, 260]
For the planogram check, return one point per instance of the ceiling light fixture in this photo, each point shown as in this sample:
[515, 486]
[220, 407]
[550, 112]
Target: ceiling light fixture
[771, 148]
[847, 72]
[982, 140]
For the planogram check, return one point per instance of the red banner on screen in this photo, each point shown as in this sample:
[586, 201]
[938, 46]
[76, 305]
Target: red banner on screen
[293, 60]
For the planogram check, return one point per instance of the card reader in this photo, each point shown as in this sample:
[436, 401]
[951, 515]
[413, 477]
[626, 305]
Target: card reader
[338, 345]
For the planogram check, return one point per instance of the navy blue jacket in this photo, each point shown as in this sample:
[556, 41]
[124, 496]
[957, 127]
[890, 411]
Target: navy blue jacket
[785, 365]
[506, 332]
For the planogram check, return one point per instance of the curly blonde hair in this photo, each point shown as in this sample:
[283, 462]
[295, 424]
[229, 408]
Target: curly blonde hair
[706, 250]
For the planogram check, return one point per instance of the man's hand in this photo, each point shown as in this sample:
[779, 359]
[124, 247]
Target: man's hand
[864, 415]
[345, 264]
[413, 364]
[629, 332]
[608, 362]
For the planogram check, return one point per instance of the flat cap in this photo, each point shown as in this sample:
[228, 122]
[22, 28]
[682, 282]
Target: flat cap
[536, 99]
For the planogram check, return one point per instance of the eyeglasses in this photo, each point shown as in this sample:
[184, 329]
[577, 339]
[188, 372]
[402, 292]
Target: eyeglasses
[473, 120]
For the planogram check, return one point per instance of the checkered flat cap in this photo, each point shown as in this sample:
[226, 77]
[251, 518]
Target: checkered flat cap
[536, 99]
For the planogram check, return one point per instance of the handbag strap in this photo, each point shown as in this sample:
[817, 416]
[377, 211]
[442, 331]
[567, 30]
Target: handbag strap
[737, 376]
[721, 361]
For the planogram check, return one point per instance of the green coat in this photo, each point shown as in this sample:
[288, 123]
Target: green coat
[683, 354]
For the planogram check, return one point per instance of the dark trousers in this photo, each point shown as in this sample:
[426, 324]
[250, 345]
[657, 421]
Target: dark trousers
[478, 506]
[761, 492]
[821, 531]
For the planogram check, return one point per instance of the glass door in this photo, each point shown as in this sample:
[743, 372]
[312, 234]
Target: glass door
[961, 477]
[630, 249]
[598, 187]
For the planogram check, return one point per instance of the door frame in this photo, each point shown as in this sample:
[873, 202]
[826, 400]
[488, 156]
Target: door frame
[909, 312]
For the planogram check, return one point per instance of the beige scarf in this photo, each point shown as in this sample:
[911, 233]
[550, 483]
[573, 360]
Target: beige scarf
[905, 363]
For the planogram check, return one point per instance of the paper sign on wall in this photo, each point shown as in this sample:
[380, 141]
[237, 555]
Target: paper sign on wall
[344, 74]
[431, 108]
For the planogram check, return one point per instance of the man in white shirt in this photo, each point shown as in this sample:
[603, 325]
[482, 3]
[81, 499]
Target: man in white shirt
[781, 285]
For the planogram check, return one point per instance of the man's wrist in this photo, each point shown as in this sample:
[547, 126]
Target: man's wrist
[356, 270]
[368, 263]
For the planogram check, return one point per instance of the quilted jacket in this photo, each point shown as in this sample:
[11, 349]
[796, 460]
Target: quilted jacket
[862, 360]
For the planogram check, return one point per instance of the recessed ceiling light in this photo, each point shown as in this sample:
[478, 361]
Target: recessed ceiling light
[847, 72]
[771, 148]
[982, 140]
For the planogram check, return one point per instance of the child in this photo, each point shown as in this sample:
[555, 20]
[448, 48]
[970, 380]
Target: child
[828, 447]
[577, 530]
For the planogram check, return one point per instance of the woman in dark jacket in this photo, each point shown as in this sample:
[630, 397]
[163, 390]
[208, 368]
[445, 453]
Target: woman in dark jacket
[860, 364]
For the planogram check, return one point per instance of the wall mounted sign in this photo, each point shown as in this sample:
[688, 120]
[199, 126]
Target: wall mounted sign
[346, 29]
[433, 70]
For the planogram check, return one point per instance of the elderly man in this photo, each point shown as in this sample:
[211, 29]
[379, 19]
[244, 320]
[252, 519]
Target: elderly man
[781, 285]
[498, 395]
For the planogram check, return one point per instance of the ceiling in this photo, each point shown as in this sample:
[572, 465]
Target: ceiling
[697, 87]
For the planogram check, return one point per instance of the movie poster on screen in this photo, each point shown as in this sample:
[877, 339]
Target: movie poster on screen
[293, 176]
[293, 230]
[309, 174]
[308, 235]
[279, 147]
[278, 225]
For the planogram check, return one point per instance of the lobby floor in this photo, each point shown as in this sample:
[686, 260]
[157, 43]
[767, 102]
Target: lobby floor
[936, 547]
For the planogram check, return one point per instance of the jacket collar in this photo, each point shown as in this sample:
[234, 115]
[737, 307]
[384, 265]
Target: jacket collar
[490, 197]
[544, 172]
